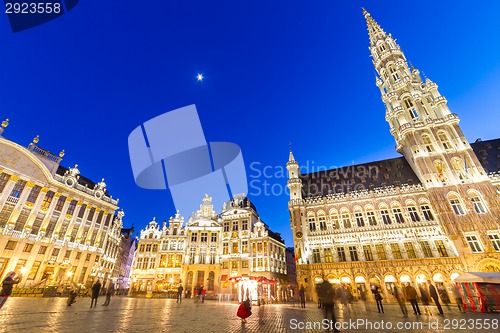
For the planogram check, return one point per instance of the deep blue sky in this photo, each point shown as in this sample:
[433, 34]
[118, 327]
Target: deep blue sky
[275, 71]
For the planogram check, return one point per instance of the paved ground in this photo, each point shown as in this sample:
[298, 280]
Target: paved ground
[125, 314]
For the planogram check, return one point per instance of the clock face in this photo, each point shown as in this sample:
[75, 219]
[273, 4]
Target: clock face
[298, 234]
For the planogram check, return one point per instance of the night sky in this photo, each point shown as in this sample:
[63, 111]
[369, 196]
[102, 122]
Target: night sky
[274, 72]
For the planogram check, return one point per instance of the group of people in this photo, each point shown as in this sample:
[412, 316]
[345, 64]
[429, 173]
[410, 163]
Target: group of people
[96, 291]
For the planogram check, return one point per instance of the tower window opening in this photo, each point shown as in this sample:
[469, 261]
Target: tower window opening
[477, 203]
[456, 205]
[427, 143]
[444, 140]
[394, 73]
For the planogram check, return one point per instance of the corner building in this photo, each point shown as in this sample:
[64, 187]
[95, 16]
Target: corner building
[57, 227]
[230, 254]
[432, 214]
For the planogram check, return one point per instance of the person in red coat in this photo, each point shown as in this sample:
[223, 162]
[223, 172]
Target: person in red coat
[244, 310]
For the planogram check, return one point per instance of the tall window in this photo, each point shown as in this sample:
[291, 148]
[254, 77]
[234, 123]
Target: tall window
[204, 237]
[235, 225]
[412, 210]
[398, 215]
[427, 143]
[441, 248]
[18, 188]
[456, 205]
[372, 220]
[495, 241]
[385, 216]
[71, 207]
[5, 214]
[312, 223]
[21, 219]
[244, 225]
[426, 210]
[474, 243]
[410, 251]
[381, 252]
[359, 219]
[226, 226]
[426, 249]
[47, 200]
[394, 73]
[225, 248]
[60, 203]
[396, 251]
[63, 229]
[82, 211]
[244, 246]
[35, 191]
[4, 178]
[322, 222]
[341, 253]
[368, 252]
[353, 253]
[334, 218]
[194, 237]
[478, 203]
[410, 108]
[346, 221]
[235, 247]
[51, 226]
[444, 140]
[316, 256]
[213, 237]
[328, 255]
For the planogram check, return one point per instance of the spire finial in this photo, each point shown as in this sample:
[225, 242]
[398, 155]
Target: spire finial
[5, 123]
[36, 139]
[364, 11]
[61, 154]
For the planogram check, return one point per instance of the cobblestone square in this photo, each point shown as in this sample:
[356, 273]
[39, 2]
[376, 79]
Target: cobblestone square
[165, 315]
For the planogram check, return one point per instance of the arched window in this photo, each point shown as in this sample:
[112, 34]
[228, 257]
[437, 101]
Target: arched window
[410, 108]
[427, 143]
[370, 216]
[384, 212]
[394, 73]
[346, 219]
[477, 202]
[334, 219]
[398, 215]
[322, 222]
[312, 222]
[412, 211]
[358, 215]
[444, 140]
[426, 211]
[381, 47]
[456, 205]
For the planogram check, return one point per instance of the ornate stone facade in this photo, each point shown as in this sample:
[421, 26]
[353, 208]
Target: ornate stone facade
[222, 252]
[56, 226]
[432, 214]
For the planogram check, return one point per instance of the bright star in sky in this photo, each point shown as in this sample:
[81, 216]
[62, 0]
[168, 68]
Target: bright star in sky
[199, 77]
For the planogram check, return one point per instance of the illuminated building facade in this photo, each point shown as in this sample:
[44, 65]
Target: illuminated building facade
[56, 226]
[432, 214]
[227, 253]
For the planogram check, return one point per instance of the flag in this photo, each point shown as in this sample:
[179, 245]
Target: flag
[298, 255]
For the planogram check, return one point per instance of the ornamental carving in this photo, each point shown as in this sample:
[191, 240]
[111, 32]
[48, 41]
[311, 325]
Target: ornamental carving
[45, 189]
[14, 178]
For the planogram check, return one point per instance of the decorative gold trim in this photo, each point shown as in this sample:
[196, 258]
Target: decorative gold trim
[30, 184]
[69, 199]
[14, 178]
[79, 203]
[45, 189]
[44, 209]
[89, 206]
[97, 210]
[69, 216]
[57, 195]
[29, 204]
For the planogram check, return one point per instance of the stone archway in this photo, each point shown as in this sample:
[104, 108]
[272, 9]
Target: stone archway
[488, 265]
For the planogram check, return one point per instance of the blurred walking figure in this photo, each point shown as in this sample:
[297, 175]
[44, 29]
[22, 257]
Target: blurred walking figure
[401, 300]
[96, 288]
[7, 286]
[458, 296]
[244, 310]
[378, 299]
[434, 295]
[203, 294]
[179, 293]
[327, 293]
[72, 297]
[109, 293]
[411, 296]
[302, 295]
[344, 298]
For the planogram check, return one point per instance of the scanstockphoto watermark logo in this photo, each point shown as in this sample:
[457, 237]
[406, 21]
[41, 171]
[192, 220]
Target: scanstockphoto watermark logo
[170, 151]
[269, 180]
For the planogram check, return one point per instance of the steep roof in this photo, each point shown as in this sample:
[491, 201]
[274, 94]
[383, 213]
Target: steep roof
[394, 171]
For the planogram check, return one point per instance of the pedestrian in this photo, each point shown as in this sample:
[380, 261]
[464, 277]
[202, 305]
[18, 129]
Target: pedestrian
[344, 298]
[96, 288]
[434, 295]
[327, 293]
[179, 293]
[401, 300]
[261, 312]
[203, 294]
[411, 296]
[109, 292]
[7, 286]
[319, 295]
[378, 299]
[458, 296]
[244, 310]
[302, 295]
[72, 297]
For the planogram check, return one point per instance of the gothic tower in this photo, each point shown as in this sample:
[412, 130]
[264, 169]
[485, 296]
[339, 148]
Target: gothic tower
[427, 134]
